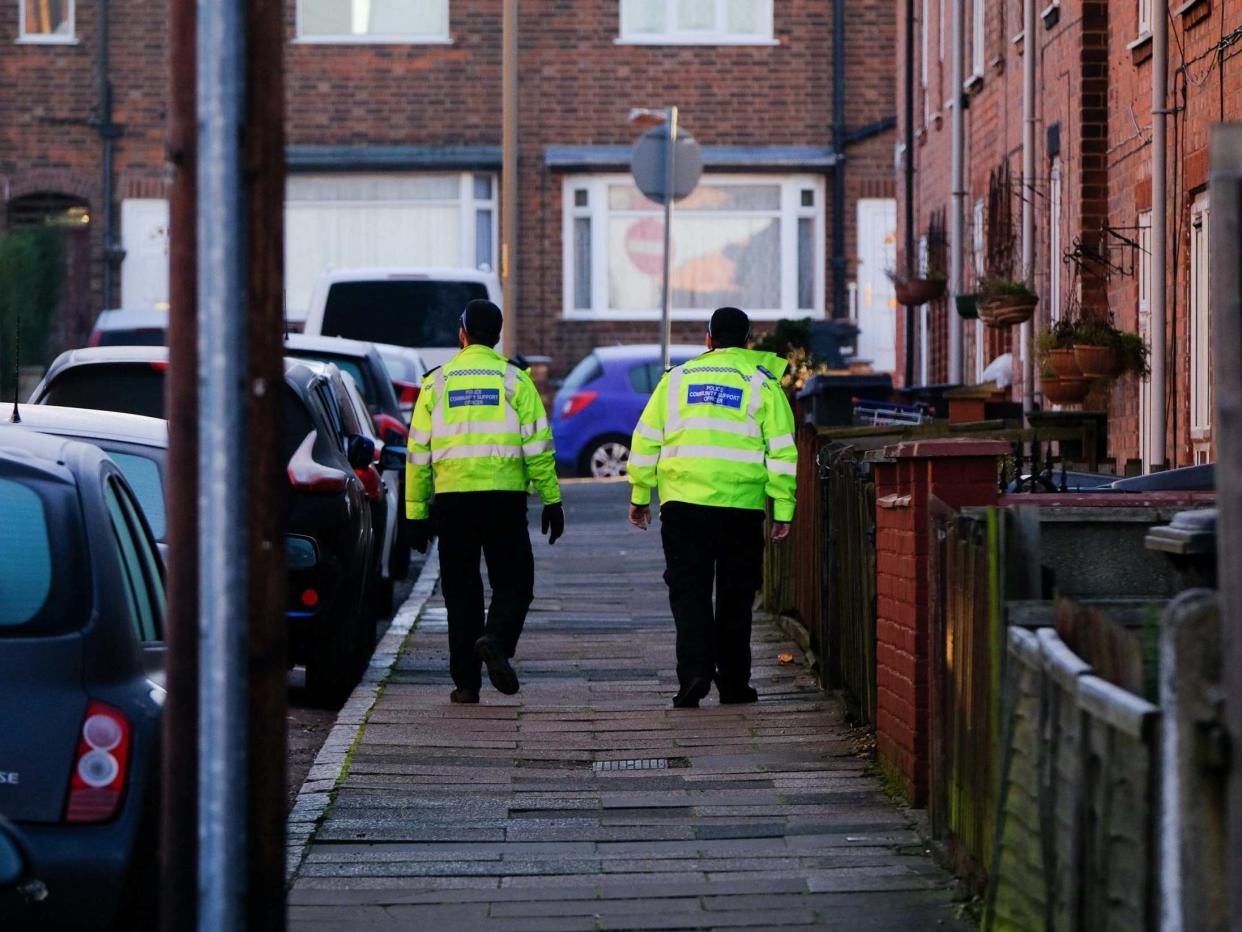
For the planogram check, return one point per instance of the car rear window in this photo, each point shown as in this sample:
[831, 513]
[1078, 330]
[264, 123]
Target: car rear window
[584, 373]
[131, 388]
[40, 558]
[345, 364]
[407, 313]
[297, 424]
[133, 336]
[401, 366]
[143, 476]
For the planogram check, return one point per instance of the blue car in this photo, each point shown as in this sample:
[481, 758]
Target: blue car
[596, 409]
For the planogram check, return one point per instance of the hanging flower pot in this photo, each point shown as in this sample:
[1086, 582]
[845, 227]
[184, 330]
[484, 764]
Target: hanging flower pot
[1064, 363]
[915, 292]
[1064, 391]
[967, 306]
[1002, 311]
[1097, 362]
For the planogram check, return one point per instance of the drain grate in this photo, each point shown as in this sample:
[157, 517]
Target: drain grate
[650, 763]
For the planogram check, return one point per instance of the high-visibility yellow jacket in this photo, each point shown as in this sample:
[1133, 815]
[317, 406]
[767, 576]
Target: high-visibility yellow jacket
[479, 425]
[719, 431]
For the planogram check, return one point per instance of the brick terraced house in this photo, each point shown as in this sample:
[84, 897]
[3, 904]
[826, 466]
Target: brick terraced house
[1092, 189]
[394, 132]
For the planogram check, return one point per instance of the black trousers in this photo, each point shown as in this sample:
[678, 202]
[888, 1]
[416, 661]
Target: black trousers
[706, 548]
[491, 524]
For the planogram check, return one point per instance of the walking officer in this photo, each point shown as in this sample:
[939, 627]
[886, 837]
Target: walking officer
[479, 439]
[717, 438]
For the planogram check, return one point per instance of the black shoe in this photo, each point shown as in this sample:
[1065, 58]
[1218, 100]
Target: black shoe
[464, 696]
[499, 671]
[692, 692]
[743, 695]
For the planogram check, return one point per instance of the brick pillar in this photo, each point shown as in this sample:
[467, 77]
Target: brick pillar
[960, 473]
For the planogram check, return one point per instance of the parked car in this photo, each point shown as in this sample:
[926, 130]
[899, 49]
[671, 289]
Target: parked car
[330, 543]
[81, 674]
[416, 307]
[406, 369]
[597, 406]
[369, 371]
[137, 444]
[130, 327]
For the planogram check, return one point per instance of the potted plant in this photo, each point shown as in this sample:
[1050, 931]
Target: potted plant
[1133, 355]
[967, 306]
[1004, 302]
[1095, 347]
[1055, 346]
[912, 292]
[1063, 390]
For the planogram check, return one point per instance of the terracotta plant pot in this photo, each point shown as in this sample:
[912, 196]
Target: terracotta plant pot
[1004, 311]
[1064, 363]
[967, 306]
[1097, 362]
[919, 291]
[1064, 391]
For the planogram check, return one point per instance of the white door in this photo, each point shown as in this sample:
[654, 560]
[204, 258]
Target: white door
[876, 308]
[1200, 333]
[144, 237]
[1147, 441]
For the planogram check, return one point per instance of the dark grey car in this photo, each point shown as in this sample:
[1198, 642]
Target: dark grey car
[81, 615]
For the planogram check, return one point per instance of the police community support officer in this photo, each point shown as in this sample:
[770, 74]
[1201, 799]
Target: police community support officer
[717, 438]
[480, 437]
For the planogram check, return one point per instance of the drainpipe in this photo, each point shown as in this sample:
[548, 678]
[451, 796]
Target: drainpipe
[109, 132]
[1028, 199]
[909, 177]
[957, 244]
[1159, 230]
[509, 175]
[840, 292]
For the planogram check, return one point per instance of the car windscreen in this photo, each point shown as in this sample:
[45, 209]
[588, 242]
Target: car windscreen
[143, 476]
[131, 388]
[404, 312]
[584, 373]
[42, 589]
[133, 336]
[345, 364]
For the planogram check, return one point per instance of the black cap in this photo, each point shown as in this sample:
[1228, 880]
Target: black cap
[729, 326]
[482, 320]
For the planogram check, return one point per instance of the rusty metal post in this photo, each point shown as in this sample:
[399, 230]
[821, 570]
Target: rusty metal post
[179, 818]
[265, 236]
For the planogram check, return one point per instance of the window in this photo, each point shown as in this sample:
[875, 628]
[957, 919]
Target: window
[143, 475]
[400, 219]
[49, 21]
[979, 248]
[1144, 17]
[978, 39]
[25, 554]
[697, 22]
[754, 241]
[144, 588]
[1055, 260]
[1200, 331]
[1147, 442]
[397, 21]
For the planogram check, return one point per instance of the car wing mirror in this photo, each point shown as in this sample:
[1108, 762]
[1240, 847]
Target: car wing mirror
[360, 451]
[392, 458]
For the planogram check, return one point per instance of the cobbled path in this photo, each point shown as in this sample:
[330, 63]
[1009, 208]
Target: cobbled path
[587, 802]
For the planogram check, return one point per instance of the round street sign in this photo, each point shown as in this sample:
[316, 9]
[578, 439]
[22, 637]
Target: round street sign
[647, 164]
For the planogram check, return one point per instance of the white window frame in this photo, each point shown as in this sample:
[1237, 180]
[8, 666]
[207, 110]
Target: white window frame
[45, 38]
[978, 39]
[444, 38]
[1145, 12]
[1201, 402]
[674, 36]
[1056, 277]
[791, 211]
[925, 64]
[1147, 442]
[978, 246]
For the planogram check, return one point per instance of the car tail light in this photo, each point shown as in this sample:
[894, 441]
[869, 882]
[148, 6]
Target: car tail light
[407, 392]
[386, 422]
[310, 598]
[577, 402]
[159, 365]
[371, 482]
[307, 475]
[100, 765]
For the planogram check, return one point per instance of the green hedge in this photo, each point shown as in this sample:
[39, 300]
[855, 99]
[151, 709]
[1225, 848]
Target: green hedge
[31, 271]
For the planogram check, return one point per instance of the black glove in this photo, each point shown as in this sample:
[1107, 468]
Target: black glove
[554, 518]
[420, 535]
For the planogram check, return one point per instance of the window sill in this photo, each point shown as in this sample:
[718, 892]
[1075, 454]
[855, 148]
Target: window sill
[1193, 12]
[47, 40]
[1140, 48]
[706, 40]
[974, 84]
[1051, 14]
[373, 40]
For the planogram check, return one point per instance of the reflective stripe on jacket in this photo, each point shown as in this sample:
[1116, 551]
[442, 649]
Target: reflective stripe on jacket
[479, 425]
[718, 430]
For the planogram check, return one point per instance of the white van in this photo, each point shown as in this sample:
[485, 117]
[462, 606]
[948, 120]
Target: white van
[415, 307]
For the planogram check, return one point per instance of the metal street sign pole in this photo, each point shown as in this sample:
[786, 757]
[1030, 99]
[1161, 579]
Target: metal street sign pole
[223, 460]
[670, 166]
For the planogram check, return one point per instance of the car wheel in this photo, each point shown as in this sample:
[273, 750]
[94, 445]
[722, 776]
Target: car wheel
[606, 458]
[333, 661]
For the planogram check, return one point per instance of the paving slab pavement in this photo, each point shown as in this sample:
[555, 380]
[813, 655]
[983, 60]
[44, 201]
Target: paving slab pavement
[588, 802]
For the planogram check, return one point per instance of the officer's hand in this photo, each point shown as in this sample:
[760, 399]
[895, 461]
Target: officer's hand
[554, 518]
[780, 530]
[640, 516]
[420, 535]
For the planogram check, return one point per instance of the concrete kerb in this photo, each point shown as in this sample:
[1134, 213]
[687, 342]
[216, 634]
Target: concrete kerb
[332, 763]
